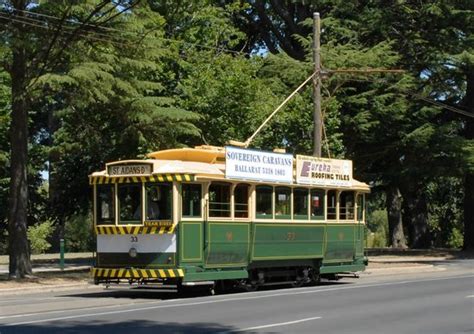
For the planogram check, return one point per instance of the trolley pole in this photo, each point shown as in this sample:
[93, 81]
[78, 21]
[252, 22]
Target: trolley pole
[317, 124]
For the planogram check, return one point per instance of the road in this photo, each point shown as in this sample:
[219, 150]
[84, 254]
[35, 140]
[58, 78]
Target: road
[439, 301]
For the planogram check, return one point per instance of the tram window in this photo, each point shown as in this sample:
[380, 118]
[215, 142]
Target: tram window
[191, 194]
[219, 200]
[264, 202]
[241, 201]
[317, 204]
[346, 205]
[282, 203]
[300, 203]
[105, 204]
[360, 207]
[130, 203]
[159, 201]
[332, 204]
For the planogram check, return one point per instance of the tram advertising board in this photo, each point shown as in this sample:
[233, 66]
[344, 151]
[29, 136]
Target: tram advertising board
[323, 172]
[258, 165]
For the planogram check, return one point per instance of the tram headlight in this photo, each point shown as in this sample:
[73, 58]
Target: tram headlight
[133, 252]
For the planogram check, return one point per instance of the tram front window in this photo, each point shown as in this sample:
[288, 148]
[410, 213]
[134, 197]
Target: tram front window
[105, 204]
[130, 203]
[159, 201]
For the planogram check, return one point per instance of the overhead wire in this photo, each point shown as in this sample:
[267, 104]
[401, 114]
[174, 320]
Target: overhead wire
[419, 96]
[138, 35]
[107, 38]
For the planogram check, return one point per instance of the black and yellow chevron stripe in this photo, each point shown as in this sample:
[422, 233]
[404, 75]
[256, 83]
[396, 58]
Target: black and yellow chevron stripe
[136, 273]
[135, 229]
[137, 179]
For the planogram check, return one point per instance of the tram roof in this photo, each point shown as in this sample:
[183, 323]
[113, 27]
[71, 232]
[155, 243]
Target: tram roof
[204, 162]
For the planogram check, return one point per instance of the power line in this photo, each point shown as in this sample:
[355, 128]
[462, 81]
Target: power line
[421, 97]
[138, 35]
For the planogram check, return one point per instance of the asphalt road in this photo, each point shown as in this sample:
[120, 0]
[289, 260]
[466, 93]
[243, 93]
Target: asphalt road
[439, 301]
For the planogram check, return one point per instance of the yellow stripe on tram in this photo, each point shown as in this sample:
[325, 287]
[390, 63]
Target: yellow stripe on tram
[171, 273]
[121, 273]
[180, 273]
[161, 272]
[113, 272]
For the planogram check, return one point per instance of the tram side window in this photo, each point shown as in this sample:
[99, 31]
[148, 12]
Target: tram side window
[191, 194]
[105, 204]
[241, 201]
[332, 204]
[282, 203]
[264, 202]
[346, 205]
[219, 200]
[317, 204]
[159, 201]
[300, 203]
[130, 203]
[360, 207]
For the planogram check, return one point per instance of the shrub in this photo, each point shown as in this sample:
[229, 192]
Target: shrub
[377, 223]
[38, 236]
[78, 233]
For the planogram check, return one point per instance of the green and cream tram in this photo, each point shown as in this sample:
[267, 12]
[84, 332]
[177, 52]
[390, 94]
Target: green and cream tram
[240, 217]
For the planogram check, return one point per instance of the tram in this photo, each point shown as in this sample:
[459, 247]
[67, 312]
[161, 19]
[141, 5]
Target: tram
[228, 217]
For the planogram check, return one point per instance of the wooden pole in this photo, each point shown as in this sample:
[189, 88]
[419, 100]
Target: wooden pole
[317, 124]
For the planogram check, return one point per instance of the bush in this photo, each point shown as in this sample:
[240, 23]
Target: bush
[455, 239]
[377, 224]
[3, 238]
[38, 236]
[78, 233]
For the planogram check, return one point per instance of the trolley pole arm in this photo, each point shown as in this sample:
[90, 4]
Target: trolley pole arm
[249, 140]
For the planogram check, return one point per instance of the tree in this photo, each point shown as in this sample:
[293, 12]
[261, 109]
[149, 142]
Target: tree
[29, 54]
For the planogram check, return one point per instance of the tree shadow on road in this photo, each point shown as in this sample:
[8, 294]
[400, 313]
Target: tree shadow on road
[126, 327]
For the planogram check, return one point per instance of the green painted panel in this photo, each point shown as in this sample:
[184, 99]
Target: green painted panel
[359, 240]
[227, 244]
[340, 242]
[211, 275]
[284, 241]
[191, 242]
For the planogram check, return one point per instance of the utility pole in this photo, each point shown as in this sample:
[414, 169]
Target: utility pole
[317, 124]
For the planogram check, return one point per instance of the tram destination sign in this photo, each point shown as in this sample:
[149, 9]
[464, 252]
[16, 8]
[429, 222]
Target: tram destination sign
[323, 172]
[129, 169]
[258, 165]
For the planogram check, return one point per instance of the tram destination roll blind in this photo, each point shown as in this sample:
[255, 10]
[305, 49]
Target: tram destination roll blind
[135, 169]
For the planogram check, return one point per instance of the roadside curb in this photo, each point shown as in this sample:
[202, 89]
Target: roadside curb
[403, 270]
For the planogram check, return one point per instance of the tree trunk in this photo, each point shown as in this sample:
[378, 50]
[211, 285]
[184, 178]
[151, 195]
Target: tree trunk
[416, 217]
[469, 177]
[19, 251]
[395, 225]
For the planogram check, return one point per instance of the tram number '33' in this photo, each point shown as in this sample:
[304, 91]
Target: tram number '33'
[134, 238]
[291, 236]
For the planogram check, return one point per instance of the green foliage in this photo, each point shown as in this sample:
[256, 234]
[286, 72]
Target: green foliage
[78, 233]
[38, 235]
[377, 229]
[445, 212]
